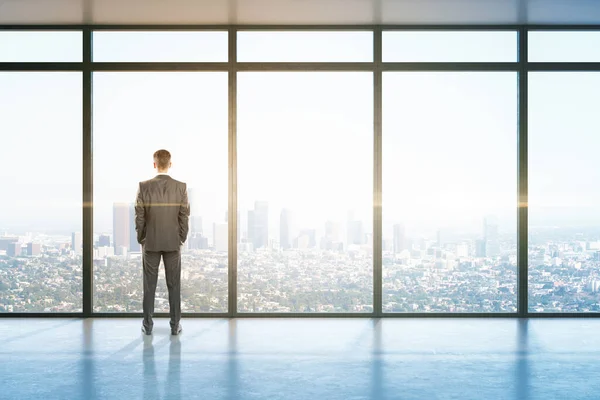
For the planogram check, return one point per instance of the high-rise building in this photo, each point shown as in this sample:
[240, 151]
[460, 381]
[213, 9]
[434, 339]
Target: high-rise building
[462, 250]
[399, 238]
[133, 243]
[285, 229]
[13, 249]
[34, 249]
[258, 225]
[441, 238]
[104, 241]
[356, 234]
[196, 225]
[220, 236]
[331, 240]
[480, 248]
[198, 242]
[76, 242]
[490, 236]
[121, 226]
[5, 241]
[306, 239]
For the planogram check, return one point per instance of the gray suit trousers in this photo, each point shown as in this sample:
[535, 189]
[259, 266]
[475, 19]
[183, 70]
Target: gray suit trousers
[172, 261]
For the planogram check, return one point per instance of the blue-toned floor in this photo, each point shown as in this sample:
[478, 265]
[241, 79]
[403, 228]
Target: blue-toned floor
[314, 359]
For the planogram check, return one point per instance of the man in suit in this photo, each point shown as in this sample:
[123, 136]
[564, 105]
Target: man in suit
[162, 212]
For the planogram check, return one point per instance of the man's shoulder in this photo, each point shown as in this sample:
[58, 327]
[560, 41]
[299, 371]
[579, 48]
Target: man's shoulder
[147, 182]
[156, 179]
[179, 183]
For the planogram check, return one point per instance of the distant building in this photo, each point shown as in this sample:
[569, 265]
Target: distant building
[76, 243]
[13, 250]
[198, 242]
[490, 235]
[5, 241]
[196, 225]
[121, 225]
[356, 234]
[399, 238]
[258, 225]
[285, 229]
[480, 248]
[462, 250]
[133, 243]
[104, 251]
[34, 249]
[441, 239]
[306, 239]
[104, 241]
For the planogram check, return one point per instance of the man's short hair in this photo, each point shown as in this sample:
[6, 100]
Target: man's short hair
[162, 158]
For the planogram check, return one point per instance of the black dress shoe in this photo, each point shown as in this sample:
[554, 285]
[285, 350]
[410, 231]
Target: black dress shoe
[177, 330]
[146, 331]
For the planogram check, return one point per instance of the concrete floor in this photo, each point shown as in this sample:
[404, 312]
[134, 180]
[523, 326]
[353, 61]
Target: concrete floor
[313, 359]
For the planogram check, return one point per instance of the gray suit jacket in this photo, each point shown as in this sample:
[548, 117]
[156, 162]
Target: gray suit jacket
[162, 212]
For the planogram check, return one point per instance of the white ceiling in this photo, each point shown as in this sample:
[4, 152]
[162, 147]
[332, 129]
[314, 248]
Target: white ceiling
[284, 12]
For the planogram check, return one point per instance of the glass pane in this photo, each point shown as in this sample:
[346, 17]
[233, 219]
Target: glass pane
[40, 46]
[449, 192]
[305, 46]
[448, 46]
[305, 166]
[135, 114]
[40, 205]
[564, 200]
[149, 46]
[562, 46]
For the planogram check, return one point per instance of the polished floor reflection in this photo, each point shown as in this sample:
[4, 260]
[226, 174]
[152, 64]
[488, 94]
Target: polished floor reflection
[301, 359]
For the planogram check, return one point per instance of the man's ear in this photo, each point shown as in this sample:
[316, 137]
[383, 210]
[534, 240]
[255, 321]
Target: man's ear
[154, 165]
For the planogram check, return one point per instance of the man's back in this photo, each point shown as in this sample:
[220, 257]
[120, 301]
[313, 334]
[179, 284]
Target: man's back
[162, 213]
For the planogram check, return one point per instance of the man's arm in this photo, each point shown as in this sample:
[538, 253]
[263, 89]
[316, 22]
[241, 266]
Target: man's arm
[140, 216]
[184, 215]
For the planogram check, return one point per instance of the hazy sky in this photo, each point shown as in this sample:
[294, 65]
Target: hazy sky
[305, 140]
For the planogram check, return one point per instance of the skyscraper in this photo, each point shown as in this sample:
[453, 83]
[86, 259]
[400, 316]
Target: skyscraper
[5, 241]
[490, 236]
[440, 238]
[104, 241]
[34, 249]
[258, 225]
[121, 225]
[133, 243]
[76, 242]
[220, 236]
[196, 225]
[13, 249]
[355, 232]
[399, 238]
[285, 229]
[311, 237]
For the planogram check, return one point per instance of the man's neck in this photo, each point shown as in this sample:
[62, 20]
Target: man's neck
[162, 172]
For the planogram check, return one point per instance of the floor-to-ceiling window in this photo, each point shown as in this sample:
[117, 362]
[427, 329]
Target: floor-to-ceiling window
[305, 176]
[449, 175]
[41, 178]
[136, 114]
[564, 170]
